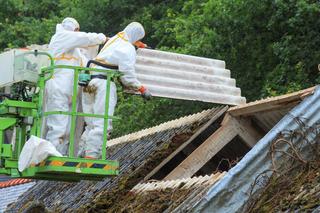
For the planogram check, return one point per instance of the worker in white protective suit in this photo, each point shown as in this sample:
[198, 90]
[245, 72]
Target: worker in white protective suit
[118, 51]
[65, 47]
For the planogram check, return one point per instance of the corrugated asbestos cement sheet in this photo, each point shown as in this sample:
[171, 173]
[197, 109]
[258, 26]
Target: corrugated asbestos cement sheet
[187, 77]
[231, 193]
[178, 183]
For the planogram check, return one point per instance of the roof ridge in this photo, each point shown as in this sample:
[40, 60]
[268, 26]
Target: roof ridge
[185, 120]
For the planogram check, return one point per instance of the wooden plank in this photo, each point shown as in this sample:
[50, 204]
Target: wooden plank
[271, 103]
[220, 112]
[247, 132]
[206, 150]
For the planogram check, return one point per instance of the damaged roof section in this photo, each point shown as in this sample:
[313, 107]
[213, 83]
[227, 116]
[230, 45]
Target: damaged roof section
[232, 192]
[247, 124]
[132, 154]
[180, 76]
[170, 196]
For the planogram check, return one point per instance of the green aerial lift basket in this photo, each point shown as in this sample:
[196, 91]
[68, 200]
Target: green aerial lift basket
[27, 116]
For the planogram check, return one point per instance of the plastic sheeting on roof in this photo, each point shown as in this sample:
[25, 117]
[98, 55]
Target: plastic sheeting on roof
[187, 77]
[231, 193]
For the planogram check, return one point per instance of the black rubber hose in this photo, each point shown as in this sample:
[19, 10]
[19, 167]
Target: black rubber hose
[102, 65]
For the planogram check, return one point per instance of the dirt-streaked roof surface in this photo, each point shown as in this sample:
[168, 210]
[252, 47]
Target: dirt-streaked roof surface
[142, 154]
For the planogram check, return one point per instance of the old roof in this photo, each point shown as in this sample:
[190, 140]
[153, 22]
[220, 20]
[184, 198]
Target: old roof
[175, 147]
[177, 195]
[131, 154]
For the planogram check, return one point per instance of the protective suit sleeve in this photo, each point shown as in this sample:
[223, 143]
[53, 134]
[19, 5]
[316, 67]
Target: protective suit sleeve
[82, 39]
[64, 41]
[126, 66]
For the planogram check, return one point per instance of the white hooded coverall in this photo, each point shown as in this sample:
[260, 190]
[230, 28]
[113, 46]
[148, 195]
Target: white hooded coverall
[118, 51]
[65, 47]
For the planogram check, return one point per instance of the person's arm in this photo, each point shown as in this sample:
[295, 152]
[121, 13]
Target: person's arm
[126, 65]
[82, 39]
[129, 79]
[65, 41]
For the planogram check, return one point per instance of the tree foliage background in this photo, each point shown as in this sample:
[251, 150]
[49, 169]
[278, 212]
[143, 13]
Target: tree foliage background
[271, 46]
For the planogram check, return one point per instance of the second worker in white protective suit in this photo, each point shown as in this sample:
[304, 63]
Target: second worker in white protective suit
[118, 51]
[65, 47]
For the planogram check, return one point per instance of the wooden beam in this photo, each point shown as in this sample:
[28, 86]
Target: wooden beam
[277, 102]
[230, 128]
[205, 151]
[247, 132]
[220, 112]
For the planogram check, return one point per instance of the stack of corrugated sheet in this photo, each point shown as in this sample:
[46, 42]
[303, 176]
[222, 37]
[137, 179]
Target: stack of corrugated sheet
[181, 76]
[187, 77]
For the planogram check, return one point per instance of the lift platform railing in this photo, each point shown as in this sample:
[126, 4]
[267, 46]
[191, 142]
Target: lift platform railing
[25, 118]
[46, 74]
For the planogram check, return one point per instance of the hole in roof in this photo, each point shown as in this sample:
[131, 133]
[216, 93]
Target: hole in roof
[226, 158]
[184, 152]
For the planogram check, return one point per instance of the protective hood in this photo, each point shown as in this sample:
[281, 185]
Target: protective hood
[70, 24]
[134, 31]
[59, 28]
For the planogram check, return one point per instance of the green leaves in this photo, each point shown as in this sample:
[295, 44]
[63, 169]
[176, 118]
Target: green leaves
[271, 47]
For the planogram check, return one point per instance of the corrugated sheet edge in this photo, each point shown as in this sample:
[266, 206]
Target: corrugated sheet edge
[172, 184]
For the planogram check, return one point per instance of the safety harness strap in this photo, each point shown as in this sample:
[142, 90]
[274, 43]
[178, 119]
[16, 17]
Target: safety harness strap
[68, 58]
